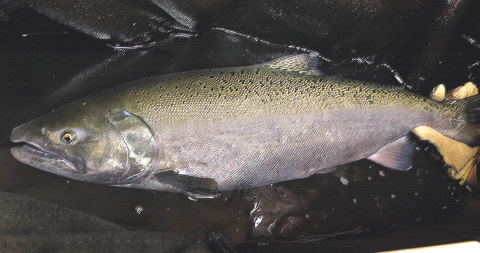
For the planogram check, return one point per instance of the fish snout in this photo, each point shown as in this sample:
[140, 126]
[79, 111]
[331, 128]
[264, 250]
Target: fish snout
[26, 132]
[18, 134]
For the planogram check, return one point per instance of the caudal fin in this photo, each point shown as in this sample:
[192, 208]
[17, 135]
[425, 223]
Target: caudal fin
[472, 109]
[470, 133]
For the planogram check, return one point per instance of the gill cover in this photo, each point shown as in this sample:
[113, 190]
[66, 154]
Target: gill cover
[136, 151]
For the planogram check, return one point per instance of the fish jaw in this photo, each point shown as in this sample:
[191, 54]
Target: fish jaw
[46, 161]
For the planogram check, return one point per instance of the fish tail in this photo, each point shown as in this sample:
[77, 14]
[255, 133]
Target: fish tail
[472, 109]
[470, 133]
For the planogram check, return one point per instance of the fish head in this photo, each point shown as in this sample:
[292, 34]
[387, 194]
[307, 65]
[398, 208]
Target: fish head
[89, 143]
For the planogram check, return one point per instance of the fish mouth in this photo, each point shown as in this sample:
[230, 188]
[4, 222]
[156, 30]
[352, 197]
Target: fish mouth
[45, 160]
[30, 153]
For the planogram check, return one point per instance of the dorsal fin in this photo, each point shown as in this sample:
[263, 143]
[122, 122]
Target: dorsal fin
[302, 63]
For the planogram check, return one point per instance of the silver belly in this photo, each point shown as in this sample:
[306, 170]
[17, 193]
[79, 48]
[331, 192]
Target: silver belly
[274, 149]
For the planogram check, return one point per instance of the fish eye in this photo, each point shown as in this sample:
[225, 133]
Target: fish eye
[68, 137]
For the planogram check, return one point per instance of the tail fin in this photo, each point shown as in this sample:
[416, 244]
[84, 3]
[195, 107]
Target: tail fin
[470, 133]
[472, 109]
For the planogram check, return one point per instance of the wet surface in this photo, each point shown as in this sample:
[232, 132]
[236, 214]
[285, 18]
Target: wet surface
[29, 225]
[359, 206]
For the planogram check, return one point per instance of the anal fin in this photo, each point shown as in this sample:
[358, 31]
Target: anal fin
[397, 155]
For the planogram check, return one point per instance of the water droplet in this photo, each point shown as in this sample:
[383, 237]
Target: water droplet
[369, 178]
[256, 205]
[355, 201]
[258, 220]
[344, 181]
[416, 193]
[139, 209]
[470, 189]
[444, 207]
[393, 196]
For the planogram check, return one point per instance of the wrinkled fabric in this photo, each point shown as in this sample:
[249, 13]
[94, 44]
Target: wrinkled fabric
[337, 29]
[60, 51]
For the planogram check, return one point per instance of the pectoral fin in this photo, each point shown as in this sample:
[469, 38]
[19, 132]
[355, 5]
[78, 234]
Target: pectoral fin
[197, 187]
[397, 155]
